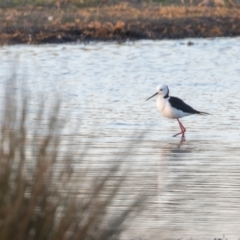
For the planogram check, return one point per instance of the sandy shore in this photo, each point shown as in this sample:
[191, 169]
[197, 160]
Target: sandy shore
[119, 23]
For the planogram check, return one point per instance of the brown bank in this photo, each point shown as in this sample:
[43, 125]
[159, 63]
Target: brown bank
[120, 22]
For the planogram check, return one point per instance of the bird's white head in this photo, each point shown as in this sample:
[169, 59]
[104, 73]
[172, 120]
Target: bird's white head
[162, 90]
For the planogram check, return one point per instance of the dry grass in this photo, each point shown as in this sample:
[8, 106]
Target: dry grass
[123, 12]
[151, 12]
[32, 18]
[73, 3]
[42, 195]
[38, 24]
[94, 3]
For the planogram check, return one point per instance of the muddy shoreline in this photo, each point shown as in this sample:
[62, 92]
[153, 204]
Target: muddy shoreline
[208, 23]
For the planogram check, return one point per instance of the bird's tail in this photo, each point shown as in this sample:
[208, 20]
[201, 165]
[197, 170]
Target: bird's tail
[204, 113]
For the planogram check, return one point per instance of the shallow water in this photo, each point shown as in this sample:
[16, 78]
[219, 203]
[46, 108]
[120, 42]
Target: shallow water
[195, 184]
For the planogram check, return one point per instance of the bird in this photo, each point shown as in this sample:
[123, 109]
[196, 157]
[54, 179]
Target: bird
[173, 107]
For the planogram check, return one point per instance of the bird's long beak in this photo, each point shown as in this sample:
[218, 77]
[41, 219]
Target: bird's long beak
[153, 95]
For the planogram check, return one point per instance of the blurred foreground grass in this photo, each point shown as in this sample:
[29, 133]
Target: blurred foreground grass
[46, 191]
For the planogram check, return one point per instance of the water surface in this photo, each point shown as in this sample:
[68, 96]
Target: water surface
[195, 186]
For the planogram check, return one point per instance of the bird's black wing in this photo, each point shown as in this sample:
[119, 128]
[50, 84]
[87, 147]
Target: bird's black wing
[181, 105]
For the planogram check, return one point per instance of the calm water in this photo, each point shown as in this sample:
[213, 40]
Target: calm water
[195, 186]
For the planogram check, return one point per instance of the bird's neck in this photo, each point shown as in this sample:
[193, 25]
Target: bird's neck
[162, 99]
[166, 96]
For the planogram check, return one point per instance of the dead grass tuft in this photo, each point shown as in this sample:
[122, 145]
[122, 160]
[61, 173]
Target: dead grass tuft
[46, 191]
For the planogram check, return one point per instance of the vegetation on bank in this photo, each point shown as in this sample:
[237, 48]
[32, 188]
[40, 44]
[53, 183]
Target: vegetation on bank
[58, 21]
[78, 3]
[92, 3]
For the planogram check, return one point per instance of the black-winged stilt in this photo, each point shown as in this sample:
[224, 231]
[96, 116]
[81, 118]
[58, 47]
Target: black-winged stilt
[173, 107]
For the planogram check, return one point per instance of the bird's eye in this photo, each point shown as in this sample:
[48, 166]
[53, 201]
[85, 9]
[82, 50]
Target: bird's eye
[160, 89]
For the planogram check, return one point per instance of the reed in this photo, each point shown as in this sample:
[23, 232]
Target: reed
[46, 191]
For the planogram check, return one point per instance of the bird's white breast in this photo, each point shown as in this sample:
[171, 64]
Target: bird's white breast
[167, 110]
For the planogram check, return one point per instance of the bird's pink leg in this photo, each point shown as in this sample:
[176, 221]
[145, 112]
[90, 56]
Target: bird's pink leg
[183, 129]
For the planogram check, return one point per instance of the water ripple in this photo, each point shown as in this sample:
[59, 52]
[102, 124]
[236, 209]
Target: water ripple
[195, 184]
